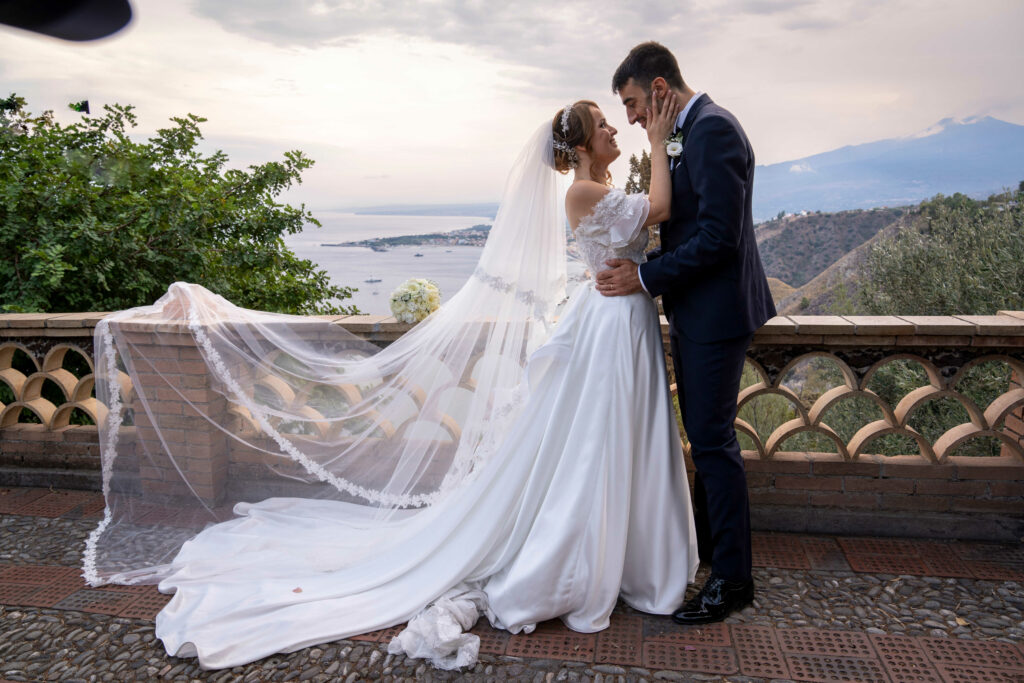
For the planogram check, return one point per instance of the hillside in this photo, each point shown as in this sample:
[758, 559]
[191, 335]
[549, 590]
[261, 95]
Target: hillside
[835, 289]
[795, 249]
[779, 289]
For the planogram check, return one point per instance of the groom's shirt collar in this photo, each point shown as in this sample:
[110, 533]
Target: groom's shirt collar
[686, 110]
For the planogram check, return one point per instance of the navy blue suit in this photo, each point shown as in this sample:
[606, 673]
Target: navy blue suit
[713, 288]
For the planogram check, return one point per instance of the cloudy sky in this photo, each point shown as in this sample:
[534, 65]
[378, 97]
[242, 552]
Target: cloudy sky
[404, 101]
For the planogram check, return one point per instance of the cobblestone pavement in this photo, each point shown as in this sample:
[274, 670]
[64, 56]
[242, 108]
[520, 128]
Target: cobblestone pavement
[827, 609]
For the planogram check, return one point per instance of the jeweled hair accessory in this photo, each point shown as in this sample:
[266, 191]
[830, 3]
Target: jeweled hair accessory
[570, 152]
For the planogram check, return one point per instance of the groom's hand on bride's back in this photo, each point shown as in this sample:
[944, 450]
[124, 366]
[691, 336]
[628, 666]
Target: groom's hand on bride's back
[620, 279]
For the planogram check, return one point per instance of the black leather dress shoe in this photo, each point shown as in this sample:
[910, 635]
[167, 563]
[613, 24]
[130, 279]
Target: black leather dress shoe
[715, 601]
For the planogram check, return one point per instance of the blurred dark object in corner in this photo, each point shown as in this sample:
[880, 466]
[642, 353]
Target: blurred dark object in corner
[67, 19]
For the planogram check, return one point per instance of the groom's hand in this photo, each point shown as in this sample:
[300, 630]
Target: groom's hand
[621, 280]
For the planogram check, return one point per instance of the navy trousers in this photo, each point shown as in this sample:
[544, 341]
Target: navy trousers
[708, 380]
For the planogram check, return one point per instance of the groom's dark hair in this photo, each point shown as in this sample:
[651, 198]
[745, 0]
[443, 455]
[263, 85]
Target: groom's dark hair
[644, 63]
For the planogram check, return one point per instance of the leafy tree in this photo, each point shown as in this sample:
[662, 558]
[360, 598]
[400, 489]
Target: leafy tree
[91, 219]
[959, 256]
[639, 179]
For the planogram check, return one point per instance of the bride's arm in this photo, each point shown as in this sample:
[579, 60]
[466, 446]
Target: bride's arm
[662, 120]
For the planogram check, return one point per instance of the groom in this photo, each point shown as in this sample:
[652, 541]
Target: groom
[715, 294]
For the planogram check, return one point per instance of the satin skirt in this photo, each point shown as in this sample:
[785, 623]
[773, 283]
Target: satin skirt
[585, 501]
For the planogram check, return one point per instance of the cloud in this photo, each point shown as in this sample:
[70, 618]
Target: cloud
[573, 43]
[801, 168]
[438, 94]
[574, 46]
[768, 7]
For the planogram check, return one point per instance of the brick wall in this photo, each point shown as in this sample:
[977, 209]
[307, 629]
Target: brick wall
[963, 497]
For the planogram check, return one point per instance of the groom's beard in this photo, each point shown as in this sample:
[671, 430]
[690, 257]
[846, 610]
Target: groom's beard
[647, 107]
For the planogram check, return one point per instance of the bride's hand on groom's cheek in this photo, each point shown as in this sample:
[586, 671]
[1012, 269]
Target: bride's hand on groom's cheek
[621, 278]
[662, 117]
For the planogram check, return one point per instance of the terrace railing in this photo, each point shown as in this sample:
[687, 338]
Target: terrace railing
[885, 425]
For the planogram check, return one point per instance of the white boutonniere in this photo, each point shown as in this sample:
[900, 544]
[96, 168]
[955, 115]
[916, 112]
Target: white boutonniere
[674, 145]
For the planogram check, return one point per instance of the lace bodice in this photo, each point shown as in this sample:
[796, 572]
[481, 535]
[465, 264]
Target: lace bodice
[614, 229]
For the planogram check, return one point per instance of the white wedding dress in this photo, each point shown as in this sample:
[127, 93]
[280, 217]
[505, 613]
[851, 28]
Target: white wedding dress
[582, 500]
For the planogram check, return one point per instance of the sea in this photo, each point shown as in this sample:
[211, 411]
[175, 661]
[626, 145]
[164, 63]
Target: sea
[448, 266]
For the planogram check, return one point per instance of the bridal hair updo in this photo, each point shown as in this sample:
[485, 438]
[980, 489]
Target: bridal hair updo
[580, 130]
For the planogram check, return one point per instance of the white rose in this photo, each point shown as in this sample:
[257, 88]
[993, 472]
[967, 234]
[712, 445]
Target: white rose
[674, 149]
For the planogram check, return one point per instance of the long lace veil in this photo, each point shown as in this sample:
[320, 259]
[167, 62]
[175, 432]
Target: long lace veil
[210, 406]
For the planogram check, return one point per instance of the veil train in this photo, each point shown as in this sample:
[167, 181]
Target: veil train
[211, 407]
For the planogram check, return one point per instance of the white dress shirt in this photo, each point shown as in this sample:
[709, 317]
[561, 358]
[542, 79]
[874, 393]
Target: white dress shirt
[679, 124]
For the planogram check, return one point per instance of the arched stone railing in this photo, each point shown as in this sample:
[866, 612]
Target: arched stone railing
[859, 347]
[804, 448]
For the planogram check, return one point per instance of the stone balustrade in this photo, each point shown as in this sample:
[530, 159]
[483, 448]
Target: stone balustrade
[941, 486]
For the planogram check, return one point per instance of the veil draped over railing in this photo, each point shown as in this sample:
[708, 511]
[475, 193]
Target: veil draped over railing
[211, 405]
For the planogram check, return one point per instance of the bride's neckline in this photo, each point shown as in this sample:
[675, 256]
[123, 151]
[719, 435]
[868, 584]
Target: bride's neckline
[593, 209]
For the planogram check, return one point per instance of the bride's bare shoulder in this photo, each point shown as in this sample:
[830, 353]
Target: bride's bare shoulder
[582, 197]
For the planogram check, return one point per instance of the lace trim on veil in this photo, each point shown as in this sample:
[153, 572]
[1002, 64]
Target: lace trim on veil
[541, 307]
[114, 420]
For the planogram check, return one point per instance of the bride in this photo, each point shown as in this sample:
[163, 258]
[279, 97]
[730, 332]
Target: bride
[291, 484]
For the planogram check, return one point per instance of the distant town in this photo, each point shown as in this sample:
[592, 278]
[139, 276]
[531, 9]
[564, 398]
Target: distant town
[467, 237]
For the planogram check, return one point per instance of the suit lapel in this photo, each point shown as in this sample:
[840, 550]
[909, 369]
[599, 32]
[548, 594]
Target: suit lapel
[691, 115]
[677, 164]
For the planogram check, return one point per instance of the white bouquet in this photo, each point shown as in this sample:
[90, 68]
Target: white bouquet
[415, 299]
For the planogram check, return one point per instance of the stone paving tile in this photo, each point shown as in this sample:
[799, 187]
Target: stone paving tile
[621, 642]
[825, 554]
[552, 640]
[758, 651]
[97, 600]
[780, 559]
[940, 559]
[492, 641]
[145, 606]
[947, 652]
[53, 593]
[56, 503]
[886, 564]
[829, 668]
[14, 499]
[667, 631]
[818, 642]
[36, 575]
[697, 658]
[904, 659]
[958, 673]
[995, 571]
[93, 508]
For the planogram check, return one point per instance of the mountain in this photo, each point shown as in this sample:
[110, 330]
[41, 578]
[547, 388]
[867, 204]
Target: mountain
[977, 156]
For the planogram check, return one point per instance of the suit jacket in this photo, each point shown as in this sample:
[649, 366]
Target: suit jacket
[708, 271]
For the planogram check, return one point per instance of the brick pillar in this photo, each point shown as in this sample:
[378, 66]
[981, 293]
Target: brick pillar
[178, 390]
